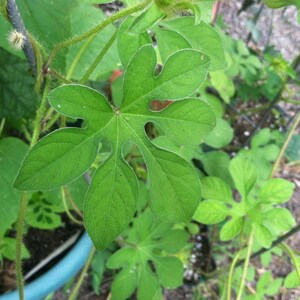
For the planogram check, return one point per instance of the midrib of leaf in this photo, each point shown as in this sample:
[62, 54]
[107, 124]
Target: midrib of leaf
[153, 159]
[115, 153]
[148, 117]
[126, 108]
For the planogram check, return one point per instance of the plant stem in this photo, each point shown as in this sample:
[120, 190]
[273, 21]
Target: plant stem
[78, 56]
[293, 258]
[18, 25]
[2, 125]
[40, 112]
[123, 13]
[249, 248]
[67, 209]
[230, 275]
[68, 195]
[284, 146]
[20, 225]
[98, 58]
[74, 293]
[59, 76]
[51, 122]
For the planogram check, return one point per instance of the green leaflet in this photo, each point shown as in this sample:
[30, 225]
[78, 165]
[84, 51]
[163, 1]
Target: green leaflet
[12, 152]
[183, 33]
[110, 203]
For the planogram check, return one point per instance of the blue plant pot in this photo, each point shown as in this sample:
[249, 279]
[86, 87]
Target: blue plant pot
[56, 277]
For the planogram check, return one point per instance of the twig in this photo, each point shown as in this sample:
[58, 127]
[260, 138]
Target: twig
[73, 295]
[20, 226]
[284, 146]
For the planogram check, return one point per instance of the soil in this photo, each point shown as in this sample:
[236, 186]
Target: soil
[40, 244]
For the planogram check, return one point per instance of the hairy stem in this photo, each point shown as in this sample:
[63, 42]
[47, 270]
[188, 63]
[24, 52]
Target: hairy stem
[293, 258]
[75, 291]
[18, 25]
[230, 275]
[285, 144]
[249, 248]
[119, 15]
[40, 112]
[20, 225]
[98, 58]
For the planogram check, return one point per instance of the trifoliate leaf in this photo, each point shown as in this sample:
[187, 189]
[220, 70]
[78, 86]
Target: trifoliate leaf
[110, 203]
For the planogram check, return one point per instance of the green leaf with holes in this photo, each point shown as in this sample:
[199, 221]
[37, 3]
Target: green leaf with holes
[111, 200]
[182, 33]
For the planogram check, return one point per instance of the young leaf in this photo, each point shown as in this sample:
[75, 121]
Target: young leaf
[211, 212]
[292, 280]
[150, 244]
[149, 288]
[276, 191]
[279, 219]
[124, 284]
[214, 188]
[220, 136]
[244, 175]
[169, 271]
[65, 154]
[263, 235]
[231, 229]
[223, 84]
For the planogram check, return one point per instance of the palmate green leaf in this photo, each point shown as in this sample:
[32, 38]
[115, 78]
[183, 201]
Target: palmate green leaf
[12, 152]
[183, 33]
[149, 245]
[110, 203]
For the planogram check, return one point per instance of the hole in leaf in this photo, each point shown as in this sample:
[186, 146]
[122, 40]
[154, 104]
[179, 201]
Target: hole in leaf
[158, 105]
